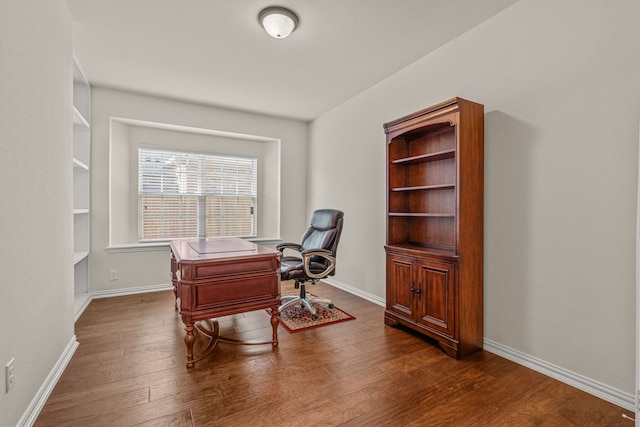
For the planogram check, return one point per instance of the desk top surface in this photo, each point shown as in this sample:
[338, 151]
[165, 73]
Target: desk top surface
[212, 248]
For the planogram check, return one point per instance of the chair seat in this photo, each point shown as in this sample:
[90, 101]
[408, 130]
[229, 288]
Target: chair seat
[292, 267]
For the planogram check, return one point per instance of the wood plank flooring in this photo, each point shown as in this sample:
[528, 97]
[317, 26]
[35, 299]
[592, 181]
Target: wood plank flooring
[129, 371]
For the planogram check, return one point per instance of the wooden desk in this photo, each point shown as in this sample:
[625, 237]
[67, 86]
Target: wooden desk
[222, 276]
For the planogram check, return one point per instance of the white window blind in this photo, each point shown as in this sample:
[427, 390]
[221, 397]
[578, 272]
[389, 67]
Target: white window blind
[195, 195]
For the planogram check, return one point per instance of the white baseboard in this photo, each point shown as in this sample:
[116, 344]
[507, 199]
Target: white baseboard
[357, 292]
[132, 291]
[38, 401]
[588, 385]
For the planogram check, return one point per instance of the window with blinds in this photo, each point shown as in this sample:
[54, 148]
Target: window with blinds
[195, 195]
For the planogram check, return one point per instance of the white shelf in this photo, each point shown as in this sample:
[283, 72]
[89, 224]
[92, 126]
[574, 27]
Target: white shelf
[78, 165]
[79, 256]
[81, 301]
[78, 119]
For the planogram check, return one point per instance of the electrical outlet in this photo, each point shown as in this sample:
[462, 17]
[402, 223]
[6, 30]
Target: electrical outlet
[113, 275]
[10, 374]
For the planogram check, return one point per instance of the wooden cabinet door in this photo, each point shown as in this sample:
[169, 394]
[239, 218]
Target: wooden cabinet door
[400, 285]
[435, 296]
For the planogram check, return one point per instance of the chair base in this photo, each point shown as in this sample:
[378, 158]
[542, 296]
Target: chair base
[304, 301]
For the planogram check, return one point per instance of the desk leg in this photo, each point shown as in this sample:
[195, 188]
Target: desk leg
[189, 340]
[275, 321]
[213, 333]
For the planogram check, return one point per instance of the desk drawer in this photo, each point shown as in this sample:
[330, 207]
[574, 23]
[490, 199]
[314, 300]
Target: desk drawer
[230, 292]
[232, 267]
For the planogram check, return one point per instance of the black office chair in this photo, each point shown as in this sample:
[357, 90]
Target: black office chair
[317, 259]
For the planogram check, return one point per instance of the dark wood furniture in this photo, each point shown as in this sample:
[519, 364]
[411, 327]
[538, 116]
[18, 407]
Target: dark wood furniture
[217, 277]
[434, 247]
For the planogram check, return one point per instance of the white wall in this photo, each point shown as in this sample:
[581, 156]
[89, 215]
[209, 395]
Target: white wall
[151, 268]
[559, 81]
[36, 254]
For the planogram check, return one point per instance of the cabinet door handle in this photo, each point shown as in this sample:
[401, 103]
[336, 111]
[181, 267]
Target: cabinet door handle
[413, 289]
[419, 291]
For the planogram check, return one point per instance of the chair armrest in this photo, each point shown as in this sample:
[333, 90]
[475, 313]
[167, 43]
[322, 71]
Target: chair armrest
[306, 259]
[294, 246]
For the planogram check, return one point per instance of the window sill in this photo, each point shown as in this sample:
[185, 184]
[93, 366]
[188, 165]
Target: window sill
[164, 245]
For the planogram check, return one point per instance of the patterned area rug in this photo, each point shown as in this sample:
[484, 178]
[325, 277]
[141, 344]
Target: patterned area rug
[296, 318]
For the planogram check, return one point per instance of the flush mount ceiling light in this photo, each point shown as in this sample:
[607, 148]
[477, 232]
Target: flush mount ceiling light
[278, 21]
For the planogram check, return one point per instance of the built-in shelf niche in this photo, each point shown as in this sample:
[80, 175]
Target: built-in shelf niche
[81, 188]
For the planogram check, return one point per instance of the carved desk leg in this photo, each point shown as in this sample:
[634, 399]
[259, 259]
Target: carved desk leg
[174, 277]
[189, 340]
[275, 321]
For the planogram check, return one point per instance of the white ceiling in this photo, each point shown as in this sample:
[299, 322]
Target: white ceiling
[214, 51]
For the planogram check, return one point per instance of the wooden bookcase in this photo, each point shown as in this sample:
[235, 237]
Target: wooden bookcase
[435, 174]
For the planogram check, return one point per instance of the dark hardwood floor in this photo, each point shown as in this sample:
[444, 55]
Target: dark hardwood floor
[129, 370]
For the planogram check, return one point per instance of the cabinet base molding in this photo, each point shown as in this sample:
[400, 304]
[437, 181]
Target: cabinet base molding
[449, 346]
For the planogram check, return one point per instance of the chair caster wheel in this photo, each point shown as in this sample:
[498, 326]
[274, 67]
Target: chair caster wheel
[330, 306]
[314, 317]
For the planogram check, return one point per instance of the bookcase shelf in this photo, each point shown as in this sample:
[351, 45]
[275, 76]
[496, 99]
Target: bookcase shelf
[78, 165]
[422, 214]
[435, 175]
[431, 157]
[424, 187]
[79, 256]
[79, 121]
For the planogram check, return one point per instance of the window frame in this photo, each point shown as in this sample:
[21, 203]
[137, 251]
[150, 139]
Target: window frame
[205, 177]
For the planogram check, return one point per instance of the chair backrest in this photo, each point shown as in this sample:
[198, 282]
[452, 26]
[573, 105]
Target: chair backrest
[324, 232]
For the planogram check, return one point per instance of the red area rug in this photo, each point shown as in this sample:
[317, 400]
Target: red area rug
[296, 318]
